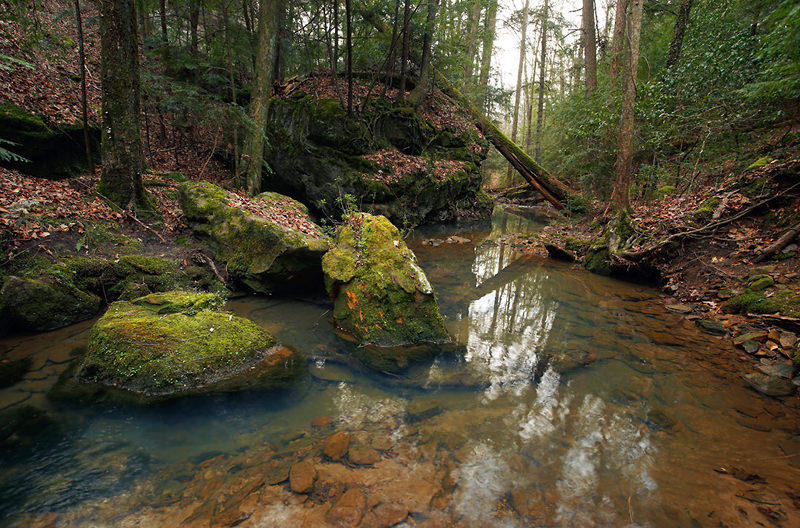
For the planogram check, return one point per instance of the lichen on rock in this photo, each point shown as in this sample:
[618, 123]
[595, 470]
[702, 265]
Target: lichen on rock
[381, 295]
[268, 247]
[170, 344]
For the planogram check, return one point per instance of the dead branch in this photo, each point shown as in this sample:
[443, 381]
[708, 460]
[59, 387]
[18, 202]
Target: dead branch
[779, 244]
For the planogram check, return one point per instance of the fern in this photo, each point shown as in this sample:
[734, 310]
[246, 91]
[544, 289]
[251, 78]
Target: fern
[8, 156]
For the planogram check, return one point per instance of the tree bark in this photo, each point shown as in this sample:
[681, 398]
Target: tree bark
[348, 15]
[624, 165]
[618, 40]
[231, 80]
[472, 39]
[487, 48]
[419, 91]
[245, 11]
[194, 21]
[779, 244]
[84, 105]
[164, 35]
[589, 47]
[681, 22]
[404, 53]
[542, 62]
[520, 67]
[261, 92]
[123, 160]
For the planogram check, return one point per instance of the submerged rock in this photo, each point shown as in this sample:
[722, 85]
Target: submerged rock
[381, 295]
[170, 344]
[769, 385]
[277, 249]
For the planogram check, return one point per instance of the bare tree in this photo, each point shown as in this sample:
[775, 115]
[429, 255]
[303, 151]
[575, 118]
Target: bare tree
[487, 48]
[542, 62]
[589, 47]
[418, 94]
[618, 39]
[681, 22]
[520, 68]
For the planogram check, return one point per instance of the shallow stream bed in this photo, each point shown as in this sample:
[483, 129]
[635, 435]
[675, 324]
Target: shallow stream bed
[578, 401]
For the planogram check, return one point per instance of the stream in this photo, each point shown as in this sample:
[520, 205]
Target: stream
[578, 401]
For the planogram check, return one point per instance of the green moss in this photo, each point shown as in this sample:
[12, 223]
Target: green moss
[761, 283]
[706, 209]
[760, 162]
[575, 244]
[663, 192]
[45, 304]
[786, 302]
[174, 342]
[598, 259]
[22, 425]
[755, 187]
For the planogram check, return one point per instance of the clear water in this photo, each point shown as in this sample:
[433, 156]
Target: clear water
[580, 401]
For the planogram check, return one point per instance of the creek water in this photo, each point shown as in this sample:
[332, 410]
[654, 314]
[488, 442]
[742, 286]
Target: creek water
[578, 401]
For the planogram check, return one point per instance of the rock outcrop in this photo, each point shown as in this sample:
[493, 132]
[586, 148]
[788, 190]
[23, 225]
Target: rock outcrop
[271, 245]
[412, 166]
[170, 344]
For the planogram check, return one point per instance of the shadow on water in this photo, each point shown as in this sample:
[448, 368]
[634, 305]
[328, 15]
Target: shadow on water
[576, 400]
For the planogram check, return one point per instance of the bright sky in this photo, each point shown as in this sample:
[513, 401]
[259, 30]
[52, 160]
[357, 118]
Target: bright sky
[506, 56]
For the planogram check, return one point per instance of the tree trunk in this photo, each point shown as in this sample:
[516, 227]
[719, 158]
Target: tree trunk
[194, 21]
[261, 92]
[618, 40]
[284, 39]
[472, 39]
[164, 35]
[348, 16]
[487, 48]
[520, 67]
[84, 105]
[677, 36]
[542, 62]
[589, 47]
[229, 54]
[245, 10]
[418, 94]
[624, 165]
[404, 53]
[123, 160]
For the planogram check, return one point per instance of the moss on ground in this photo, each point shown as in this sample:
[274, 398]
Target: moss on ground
[786, 302]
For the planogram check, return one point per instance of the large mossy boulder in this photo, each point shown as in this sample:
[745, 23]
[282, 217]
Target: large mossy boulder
[273, 247]
[51, 151]
[171, 344]
[391, 159]
[381, 295]
[41, 304]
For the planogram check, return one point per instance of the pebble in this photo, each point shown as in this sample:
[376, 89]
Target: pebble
[302, 477]
[336, 445]
[768, 385]
[362, 455]
[679, 308]
[419, 410]
[780, 370]
[321, 421]
[712, 327]
[349, 509]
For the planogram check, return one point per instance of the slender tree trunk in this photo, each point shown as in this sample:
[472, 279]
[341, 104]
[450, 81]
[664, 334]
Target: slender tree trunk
[487, 49]
[520, 66]
[542, 69]
[232, 82]
[84, 105]
[472, 39]
[335, 37]
[618, 40]
[140, 12]
[393, 50]
[677, 36]
[404, 53]
[418, 94]
[284, 38]
[261, 92]
[589, 47]
[164, 35]
[624, 165]
[194, 21]
[349, 16]
[123, 159]
[246, 12]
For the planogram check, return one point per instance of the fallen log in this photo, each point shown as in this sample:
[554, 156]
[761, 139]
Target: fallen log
[553, 190]
[779, 244]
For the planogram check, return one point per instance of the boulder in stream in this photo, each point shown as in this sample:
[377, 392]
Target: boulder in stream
[170, 344]
[269, 243]
[381, 295]
[44, 303]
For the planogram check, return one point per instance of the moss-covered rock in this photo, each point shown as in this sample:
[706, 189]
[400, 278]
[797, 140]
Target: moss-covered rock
[381, 295]
[40, 304]
[52, 152]
[786, 302]
[663, 191]
[41, 295]
[706, 209]
[23, 425]
[260, 252]
[170, 344]
[317, 155]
